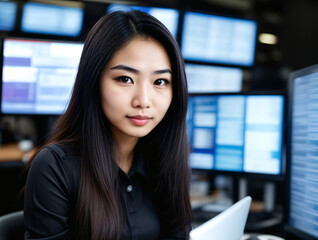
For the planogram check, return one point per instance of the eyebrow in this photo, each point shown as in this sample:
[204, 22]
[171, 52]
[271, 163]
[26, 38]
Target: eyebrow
[133, 70]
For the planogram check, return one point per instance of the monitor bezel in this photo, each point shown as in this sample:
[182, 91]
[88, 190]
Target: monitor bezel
[252, 175]
[1, 72]
[290, 92]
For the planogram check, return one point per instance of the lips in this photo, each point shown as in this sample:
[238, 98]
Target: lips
[139, 120]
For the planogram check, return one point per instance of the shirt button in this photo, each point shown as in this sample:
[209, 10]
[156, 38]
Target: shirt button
[129, 188]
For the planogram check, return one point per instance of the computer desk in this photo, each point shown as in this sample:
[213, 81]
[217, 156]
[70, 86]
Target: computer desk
[12, 153]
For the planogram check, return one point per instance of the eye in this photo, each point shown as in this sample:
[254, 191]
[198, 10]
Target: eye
[124, 79]
[161, 82]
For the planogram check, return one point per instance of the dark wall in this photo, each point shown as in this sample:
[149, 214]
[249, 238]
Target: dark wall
[301, 34]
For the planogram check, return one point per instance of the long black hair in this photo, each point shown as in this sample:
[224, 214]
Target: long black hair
[85, 130]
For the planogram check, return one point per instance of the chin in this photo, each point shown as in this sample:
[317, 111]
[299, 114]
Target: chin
[140, 134]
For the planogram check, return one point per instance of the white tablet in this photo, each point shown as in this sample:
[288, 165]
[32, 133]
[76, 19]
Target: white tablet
[228, 225]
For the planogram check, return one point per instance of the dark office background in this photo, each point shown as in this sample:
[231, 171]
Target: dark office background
[294, 22]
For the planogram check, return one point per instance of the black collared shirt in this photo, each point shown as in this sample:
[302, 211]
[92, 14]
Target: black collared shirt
[51, 191]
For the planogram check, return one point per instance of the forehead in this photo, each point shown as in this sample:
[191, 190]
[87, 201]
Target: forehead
[142, 49]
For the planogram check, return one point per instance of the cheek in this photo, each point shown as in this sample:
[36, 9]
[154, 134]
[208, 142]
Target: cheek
[165, 103]
[169, 98]
[110, 102]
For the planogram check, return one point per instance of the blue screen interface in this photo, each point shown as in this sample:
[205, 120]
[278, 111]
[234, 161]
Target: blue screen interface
[303, 213]
[8, 12]
[168, 16]
[51, 19]
[237, 133]
[38, 76]
[218, 39]
[208, 79]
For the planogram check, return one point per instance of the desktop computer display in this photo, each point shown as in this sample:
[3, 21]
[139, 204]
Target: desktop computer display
[240, 133]
[38, 76]
[303, 153]
[218, 39]
[8, 11]
[168, 16]
[207, 79]
[51, 19]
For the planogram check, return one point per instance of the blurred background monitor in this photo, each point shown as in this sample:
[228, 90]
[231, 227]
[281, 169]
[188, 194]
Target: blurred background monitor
[38, 76]
[218, 39]
[8, 12]
[303, 153]
[237, 133]
[42, 18]
[206, 78]
[168, 16]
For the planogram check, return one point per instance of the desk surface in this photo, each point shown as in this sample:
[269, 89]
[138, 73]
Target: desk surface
[12, 152]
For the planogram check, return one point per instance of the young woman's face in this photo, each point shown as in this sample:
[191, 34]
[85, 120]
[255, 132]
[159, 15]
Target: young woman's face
[136, 88]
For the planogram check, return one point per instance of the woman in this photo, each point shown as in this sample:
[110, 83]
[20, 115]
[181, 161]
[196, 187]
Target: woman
[116, 164]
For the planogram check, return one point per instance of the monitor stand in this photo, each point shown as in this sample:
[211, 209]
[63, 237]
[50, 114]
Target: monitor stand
[269, 216]
[268, 193]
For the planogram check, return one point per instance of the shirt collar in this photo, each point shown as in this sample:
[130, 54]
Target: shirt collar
[138, 166]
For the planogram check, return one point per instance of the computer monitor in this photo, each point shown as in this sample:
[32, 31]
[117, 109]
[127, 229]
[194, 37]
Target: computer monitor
[38, 75]
[237, 133]
[168, 16]
[218, 39]
[302, 153]
[40, 18]
[8, 12]
[208, 79]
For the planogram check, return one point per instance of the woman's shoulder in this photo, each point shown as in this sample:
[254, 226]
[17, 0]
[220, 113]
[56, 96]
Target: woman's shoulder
[57, 152]
[55, 163]
[56, 157]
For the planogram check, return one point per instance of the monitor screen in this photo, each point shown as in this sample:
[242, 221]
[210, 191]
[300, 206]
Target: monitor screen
[303, 153]
[209, 79]
[218, 39]
[51, 19]
[236, 132]
[38, 76]
[8, 12]
[168, 16]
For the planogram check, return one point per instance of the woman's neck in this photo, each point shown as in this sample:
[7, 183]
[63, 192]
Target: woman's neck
[126, 152]
[126, 157]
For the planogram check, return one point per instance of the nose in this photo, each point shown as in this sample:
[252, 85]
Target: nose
[141, 98]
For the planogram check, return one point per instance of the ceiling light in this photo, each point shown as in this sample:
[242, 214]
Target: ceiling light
[267, 38]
